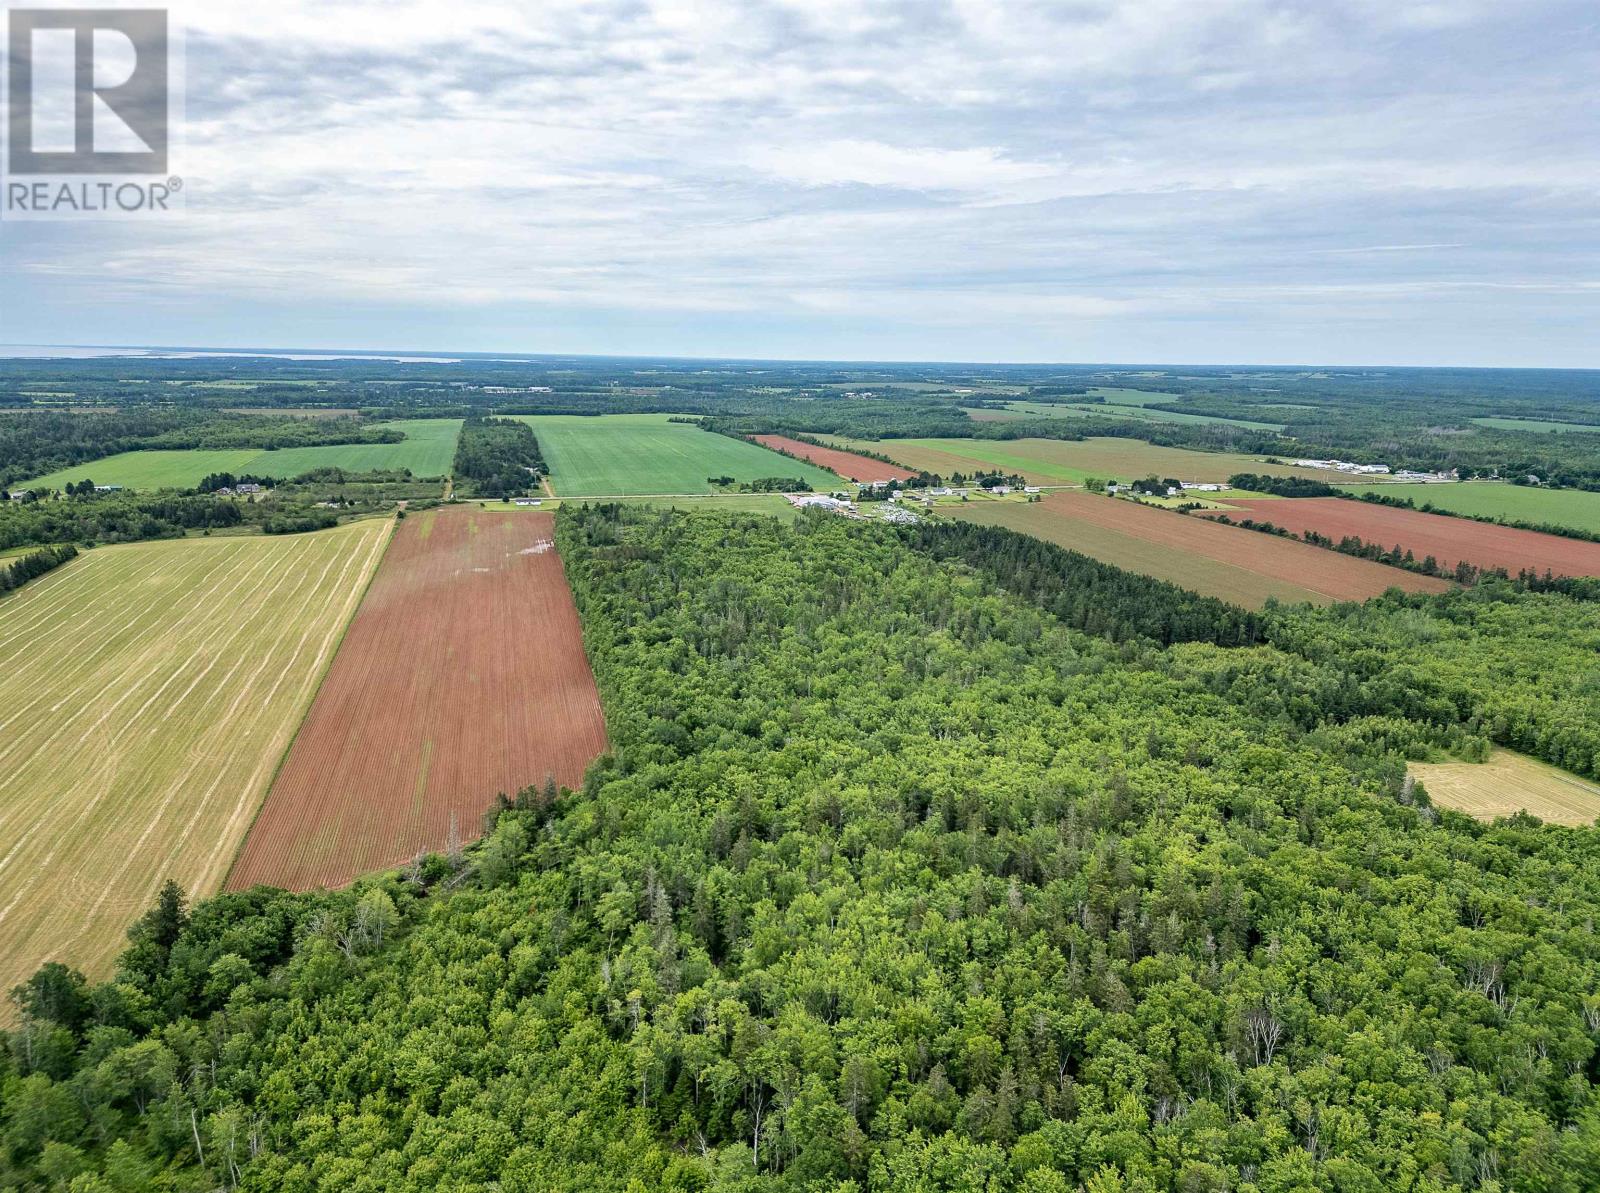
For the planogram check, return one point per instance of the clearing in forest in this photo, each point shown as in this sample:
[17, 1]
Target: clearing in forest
[1509, 783]
[1245, 567]
[428, 449]
[462, 676]
[147, 691]
[628, 455]
[1449, 540]
[849, 465]
[1070, 461]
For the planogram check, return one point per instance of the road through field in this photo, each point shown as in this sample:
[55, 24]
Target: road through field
[147, 691]
[462, 676]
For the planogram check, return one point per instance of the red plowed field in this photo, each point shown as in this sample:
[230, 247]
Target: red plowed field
[1448, 540]
[846, 464]
[1243, 566]
[462, 676]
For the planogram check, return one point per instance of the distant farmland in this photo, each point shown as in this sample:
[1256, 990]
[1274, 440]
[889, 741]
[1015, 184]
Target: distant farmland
[626, 455]
[428, 449]
[1449, 540]
[1509, 783]
[462, 676]
[1242, 566]
[149, 691]
[1069, 462]
[849, 465]
[1574, 508]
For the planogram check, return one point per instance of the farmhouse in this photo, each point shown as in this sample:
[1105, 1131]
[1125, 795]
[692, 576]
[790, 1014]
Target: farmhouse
[819, 501]
[248, 489]
[108, 488]
[1190, 486]
[531, 502]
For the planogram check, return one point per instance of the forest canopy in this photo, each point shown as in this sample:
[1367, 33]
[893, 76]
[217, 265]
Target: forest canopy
[891, 880]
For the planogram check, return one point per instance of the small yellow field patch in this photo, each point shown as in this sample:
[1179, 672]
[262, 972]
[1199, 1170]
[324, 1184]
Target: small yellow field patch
[1509, 783]
[147, 692]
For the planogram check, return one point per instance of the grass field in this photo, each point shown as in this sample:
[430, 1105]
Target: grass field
[1242, 566]
[624, 455]
[148, 692]
[462, 676]
[1538, 425]
[1069, 462]
[1574, 508]
[1509, 783]
[428, 449]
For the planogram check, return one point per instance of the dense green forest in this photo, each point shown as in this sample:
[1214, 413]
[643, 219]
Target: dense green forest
[893, 881]
[497, 457]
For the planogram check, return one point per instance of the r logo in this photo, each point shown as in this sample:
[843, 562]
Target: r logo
[88, 91]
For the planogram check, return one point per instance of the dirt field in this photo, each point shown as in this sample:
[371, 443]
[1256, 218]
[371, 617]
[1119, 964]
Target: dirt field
[148, 691]
[1509, 783]
[1070, 462]
[462, 676]
[846, 464]
[1243, 566]
[1449, 540]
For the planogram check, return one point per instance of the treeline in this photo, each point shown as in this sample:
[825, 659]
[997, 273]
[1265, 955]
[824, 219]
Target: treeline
[1427, 507]
[1281, 486]
[497, 457]
[1083, 593]
[34, 565]
[112, 518]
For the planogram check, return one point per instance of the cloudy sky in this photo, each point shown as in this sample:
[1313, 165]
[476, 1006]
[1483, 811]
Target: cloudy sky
[1352, 181]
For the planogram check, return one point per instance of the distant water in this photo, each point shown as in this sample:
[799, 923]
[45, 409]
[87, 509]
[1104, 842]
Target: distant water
[48, 352]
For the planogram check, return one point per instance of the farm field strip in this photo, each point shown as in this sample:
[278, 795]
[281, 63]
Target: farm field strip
[1064, 461]
[849, 465]
[1578, 509]
[641, 455]
[143, 724]
[1448, 540]
[462, 676]
[428, 450]
[1238, 565]
[1509, 783]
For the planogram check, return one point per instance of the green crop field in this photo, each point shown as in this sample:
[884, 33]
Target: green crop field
[1069, 462]
[1536, 424]
[626, 455]
[150, 691]
[428, 449]
[1574, 508]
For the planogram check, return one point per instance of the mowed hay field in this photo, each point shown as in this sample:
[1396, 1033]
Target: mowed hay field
[1449, 540]
[1242, 566]
[1070, 462]
[627, 455]
[847, 464]
[462, 676]
[147, 692]
[1577, 509]
[428, 449]
[1509, 783]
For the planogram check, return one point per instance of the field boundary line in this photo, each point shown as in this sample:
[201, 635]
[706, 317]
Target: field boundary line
[316, 690]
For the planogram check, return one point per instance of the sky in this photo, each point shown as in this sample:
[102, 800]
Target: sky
[1205, 181]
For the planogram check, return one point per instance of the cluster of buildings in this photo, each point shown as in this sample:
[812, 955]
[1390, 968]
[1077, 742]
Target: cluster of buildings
[236, 490]
[1404, 474]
